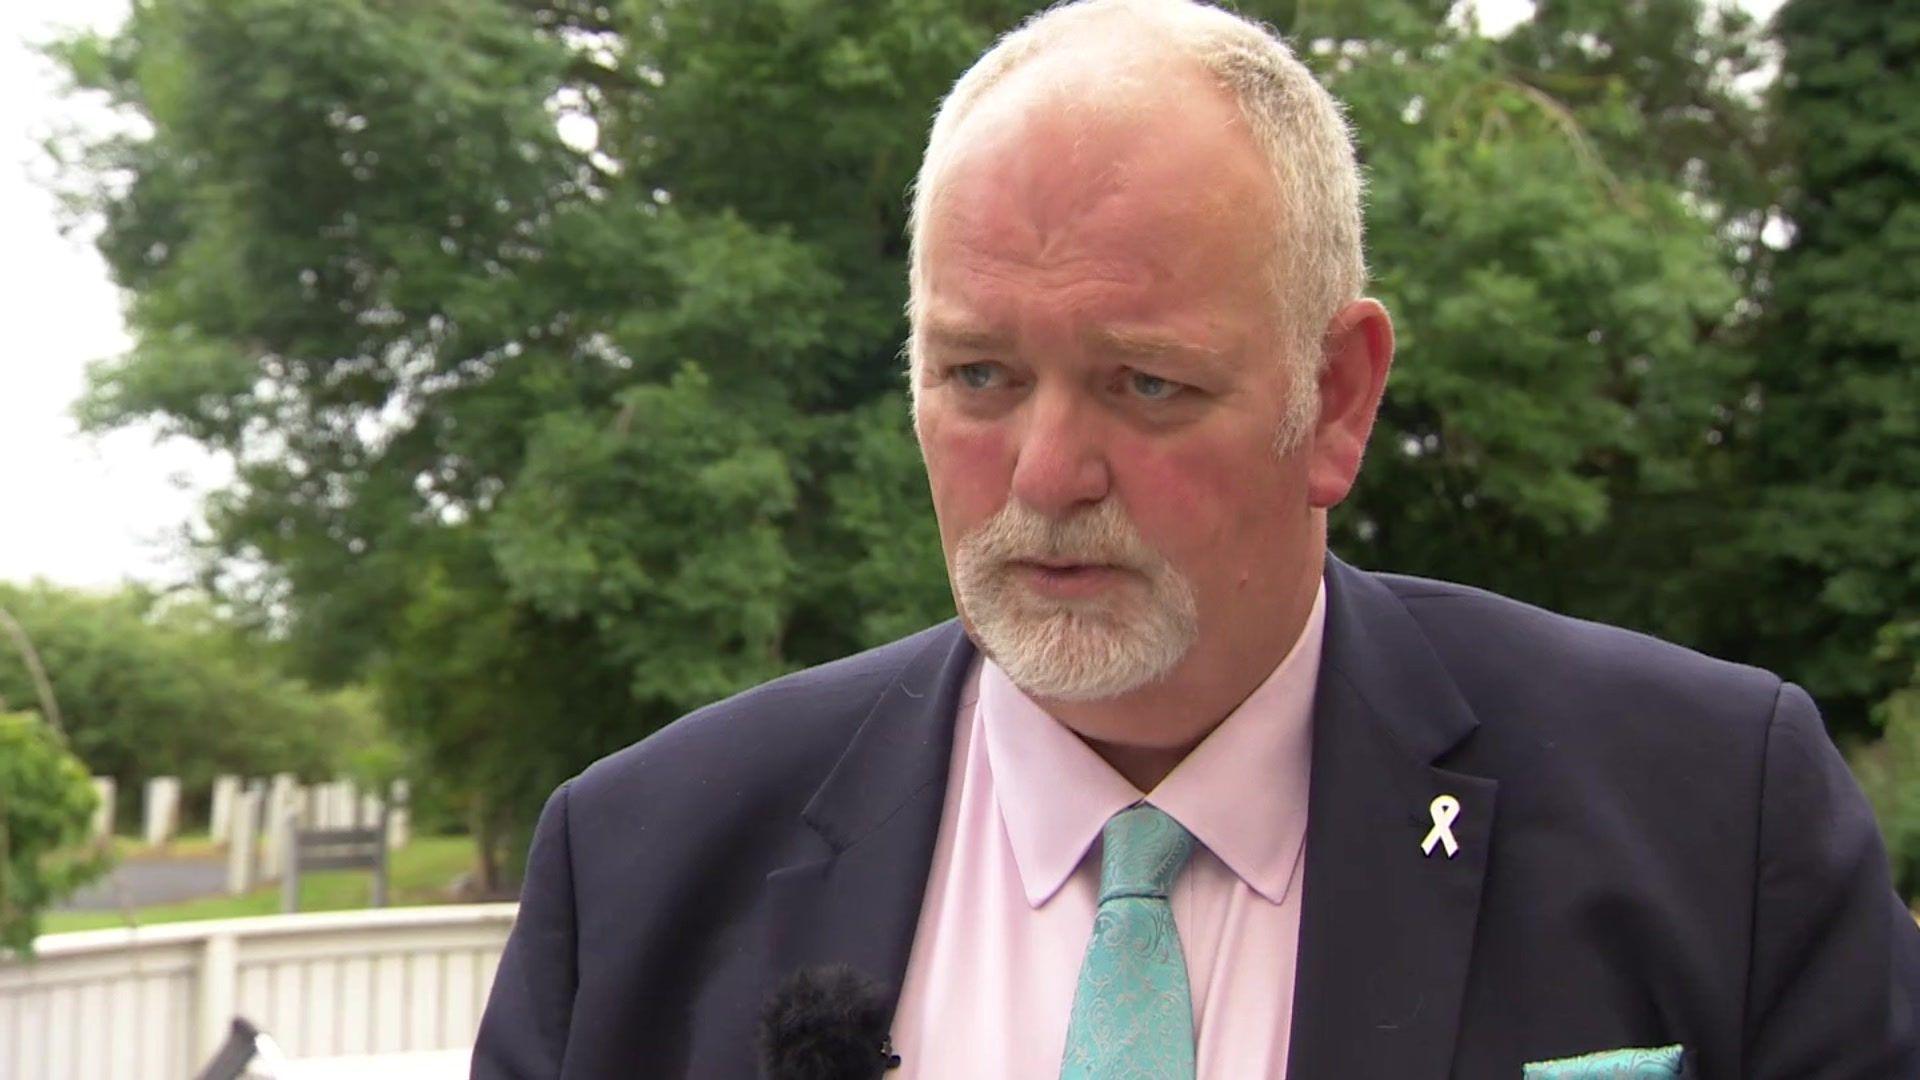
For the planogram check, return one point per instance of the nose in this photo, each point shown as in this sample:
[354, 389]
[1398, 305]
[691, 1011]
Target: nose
[1062, 466]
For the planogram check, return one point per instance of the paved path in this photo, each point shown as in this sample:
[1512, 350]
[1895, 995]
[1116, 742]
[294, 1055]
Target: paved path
[138, 882]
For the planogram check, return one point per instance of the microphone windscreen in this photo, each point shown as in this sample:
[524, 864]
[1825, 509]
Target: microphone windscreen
[826, 1023]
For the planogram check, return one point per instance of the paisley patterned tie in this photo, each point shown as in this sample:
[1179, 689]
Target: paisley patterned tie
[1133, 1012]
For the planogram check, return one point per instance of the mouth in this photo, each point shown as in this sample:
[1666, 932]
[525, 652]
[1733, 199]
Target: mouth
[1065, 578]
[1062, 564]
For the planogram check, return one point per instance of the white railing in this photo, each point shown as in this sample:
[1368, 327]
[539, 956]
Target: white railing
[154, 1003]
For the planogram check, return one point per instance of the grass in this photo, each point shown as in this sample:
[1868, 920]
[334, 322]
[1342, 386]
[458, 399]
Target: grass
[180, 847]
[420, 873]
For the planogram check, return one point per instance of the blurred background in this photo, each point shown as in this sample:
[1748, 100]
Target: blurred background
[450, 392]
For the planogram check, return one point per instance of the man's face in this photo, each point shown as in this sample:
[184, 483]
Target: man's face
[1100, 387]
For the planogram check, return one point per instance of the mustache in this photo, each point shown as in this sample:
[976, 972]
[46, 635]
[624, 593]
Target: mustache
[1102, 534]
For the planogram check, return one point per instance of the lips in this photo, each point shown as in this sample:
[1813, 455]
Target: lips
[1063, 567]
[1062, 580]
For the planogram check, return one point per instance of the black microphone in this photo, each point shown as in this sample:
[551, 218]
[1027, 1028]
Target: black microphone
[826, 1023]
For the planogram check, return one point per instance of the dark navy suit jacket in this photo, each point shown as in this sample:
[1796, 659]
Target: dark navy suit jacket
[1655, 848]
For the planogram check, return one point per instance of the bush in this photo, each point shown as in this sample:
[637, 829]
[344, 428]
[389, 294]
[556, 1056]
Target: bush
[1889, 768]
[166, 687]
[46, 803]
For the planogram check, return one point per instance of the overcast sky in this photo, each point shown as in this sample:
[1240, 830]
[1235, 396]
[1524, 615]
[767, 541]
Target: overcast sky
[75, 509]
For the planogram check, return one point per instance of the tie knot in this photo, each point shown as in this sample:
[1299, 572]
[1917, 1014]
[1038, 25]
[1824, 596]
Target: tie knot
[1141, 852]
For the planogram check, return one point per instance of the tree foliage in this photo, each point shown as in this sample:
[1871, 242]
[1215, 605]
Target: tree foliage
[558, 343]
[1889, 767]
[1560, 315]
[46, 805]
[1833, 556]
[155, 689]
[1833, 552]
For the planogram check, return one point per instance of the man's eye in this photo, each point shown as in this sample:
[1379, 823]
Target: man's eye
[977, 376]
[1153, 387]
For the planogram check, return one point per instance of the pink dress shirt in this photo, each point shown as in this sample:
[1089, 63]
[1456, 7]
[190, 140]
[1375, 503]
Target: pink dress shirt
[1016, 874]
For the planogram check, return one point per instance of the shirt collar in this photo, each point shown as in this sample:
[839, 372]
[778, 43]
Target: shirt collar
[1242, 792]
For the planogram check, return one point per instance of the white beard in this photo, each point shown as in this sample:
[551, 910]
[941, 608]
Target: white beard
[1090, 649]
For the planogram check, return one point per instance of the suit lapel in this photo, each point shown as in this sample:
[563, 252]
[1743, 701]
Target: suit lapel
[876, 816]
[1386, 930]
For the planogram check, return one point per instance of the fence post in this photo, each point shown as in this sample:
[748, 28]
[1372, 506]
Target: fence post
[226, 788]
[400, 819]
[290, 865]
[379, 825]
[346, 805]
[241, 855]
[103, 787]
[280, 803]
[218, 964]
[163, 809]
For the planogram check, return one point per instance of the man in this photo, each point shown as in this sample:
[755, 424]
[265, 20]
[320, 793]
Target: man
[1181, 795]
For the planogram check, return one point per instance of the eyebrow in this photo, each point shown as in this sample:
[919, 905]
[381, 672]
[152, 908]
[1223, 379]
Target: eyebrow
[1129, 342]
[965, 337]
[1141, 344]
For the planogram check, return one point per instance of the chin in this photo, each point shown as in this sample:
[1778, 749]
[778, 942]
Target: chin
[1084, 655]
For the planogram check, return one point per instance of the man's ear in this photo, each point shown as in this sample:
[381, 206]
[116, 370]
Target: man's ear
[1358, 350]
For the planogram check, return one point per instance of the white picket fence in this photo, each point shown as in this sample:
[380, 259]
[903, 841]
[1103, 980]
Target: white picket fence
[154, 1003]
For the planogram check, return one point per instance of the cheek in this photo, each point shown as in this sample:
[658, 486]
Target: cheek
[969, 471]
[1211, 508]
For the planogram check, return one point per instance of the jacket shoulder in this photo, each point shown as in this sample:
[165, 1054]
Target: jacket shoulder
[785, 733]
[1480, 633]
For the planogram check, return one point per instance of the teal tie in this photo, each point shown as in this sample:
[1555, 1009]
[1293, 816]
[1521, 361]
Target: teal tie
[1132, 1013]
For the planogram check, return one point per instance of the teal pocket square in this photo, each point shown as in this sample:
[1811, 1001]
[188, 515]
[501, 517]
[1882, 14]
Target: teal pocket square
[1662, 1063]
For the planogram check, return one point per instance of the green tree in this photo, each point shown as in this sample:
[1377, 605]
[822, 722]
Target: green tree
[146, 688]
[498, 702]
[46, 805]
[1832, 556]
[448, 349]
[1664, 90]
[1554, 406]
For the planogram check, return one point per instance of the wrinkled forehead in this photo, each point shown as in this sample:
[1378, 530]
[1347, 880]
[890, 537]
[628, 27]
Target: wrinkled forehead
[1145, 156]
[1089, 122]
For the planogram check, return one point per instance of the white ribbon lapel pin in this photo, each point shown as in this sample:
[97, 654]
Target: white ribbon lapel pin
[1444, 810]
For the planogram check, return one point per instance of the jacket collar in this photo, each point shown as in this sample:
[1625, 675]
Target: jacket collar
[877, 815]
[899, 754]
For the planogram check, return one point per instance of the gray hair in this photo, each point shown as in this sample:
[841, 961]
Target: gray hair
[1318, 261]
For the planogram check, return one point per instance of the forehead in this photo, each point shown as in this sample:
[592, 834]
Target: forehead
[1147, 176]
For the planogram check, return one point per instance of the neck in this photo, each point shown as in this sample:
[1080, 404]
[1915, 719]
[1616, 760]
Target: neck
[1143, 767]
